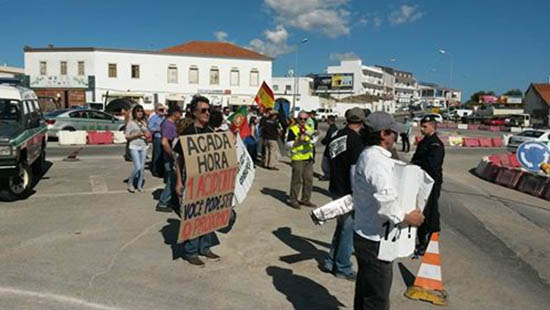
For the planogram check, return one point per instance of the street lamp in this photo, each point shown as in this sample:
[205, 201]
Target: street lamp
[296, 77]
[446, 52]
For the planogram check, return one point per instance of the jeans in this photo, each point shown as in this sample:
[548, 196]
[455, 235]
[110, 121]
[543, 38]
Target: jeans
[170, 180]
[325, 166]
[138, 158]
[374, 278]
[200, 245]
[339, 258]
[157, 149]
[251, 147]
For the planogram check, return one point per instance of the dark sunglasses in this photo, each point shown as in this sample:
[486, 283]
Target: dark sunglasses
[161, 110]
[204, 110]
[302, 119]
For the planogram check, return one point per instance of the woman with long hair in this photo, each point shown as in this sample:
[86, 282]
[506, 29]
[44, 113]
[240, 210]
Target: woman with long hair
[137, 135]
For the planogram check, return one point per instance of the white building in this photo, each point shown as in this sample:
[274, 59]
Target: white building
[438, 96]
[366, 79]
[406, 89]
[10, 72]
[283, 88]
[225, 73]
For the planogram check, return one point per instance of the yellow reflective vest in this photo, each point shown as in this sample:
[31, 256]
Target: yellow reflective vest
[303, 151]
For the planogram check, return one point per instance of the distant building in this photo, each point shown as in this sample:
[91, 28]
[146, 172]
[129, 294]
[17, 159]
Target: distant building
[405, 87]
[225, 73]
[537, 102]
[10, 72]
[434, 95]
[366, 79]
[283, 88]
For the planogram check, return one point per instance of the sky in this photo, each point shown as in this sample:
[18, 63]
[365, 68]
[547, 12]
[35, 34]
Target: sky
[490, 45]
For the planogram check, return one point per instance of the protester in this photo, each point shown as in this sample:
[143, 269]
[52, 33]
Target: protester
[251, 142]
[200, 245]
[216, 120]
[168, 133]
[375, 200]
[226, 124]
[325, 163]
[154, 128]
[271, 131]
[405, 136]
[300, 140]
[429, 155]
[344, 149]
[137, 134]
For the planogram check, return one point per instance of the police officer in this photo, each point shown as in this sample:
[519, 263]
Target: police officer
[429, 155]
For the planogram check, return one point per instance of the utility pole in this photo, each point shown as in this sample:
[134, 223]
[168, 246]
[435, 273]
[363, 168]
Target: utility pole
[296, 77]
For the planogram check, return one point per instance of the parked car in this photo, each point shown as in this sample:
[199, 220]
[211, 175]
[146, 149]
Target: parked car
[81, 119]
[437, 117]
[528, 135]
[495, 121]
[23, 137]
[323, 114]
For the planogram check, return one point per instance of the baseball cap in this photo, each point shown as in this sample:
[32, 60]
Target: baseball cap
[355, 115]
[428, 119]
[380, 121]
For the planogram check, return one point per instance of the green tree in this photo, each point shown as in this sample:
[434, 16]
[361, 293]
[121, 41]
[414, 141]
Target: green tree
[514, 93]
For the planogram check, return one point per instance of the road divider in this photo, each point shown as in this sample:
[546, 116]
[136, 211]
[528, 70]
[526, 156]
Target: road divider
[72, 137]
[100, 137]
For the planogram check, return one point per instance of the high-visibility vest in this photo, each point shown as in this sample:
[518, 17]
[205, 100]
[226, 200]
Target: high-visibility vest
[303, 151]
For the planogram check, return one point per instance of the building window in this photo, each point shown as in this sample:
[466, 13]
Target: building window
[112, 70]
[288, 88]
[43, 68]
[63, 68]
[135, 71]
[276, 87]
[254, 77]
[214, 76]
[234, 77]
[193, 75]
[172, 74]
[81, 69]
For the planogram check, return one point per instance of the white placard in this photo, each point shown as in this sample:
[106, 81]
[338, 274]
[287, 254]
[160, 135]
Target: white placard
[245, 172]
[333, 209]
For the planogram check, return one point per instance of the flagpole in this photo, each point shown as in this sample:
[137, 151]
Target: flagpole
[296, 77]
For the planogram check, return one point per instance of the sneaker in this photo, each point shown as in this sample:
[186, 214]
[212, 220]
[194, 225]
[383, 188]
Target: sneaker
[294, 205]
[308, 204]
[211, 256]
[163, 208]
[131, 189]
[350, 277]
[195, 261]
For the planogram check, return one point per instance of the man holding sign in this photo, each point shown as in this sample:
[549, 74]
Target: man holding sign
[377, 208]
[206, 168]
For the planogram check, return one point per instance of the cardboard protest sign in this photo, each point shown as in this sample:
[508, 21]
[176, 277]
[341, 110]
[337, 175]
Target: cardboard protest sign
[245, 172]
[414, 187]
[211, 167]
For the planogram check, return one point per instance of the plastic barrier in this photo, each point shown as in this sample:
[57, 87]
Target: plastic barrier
[470, 142]
[514, 163]
[72, 137]
[533, 184]
[485, 142]
[483, 127]
[473, 126]
[442, 125]
[100, 137]
[495, 159]
[452, 125]
[494, 128]
[482, 165]
[490, 172]
[455, 141]
[509, 177]
[496, 142]
[118, 137]
[462, 126]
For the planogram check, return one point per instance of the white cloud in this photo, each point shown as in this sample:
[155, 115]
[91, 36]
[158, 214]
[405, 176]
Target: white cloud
[405, 14]
[363, 21]
[329, 17]
[221, 36]
[274, 44]
[377, 22]
[343, 56]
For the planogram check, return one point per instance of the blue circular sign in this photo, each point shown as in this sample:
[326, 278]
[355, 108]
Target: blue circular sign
[533, 154]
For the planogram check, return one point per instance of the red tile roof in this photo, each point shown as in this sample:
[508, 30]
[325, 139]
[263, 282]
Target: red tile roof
[215, 49]
[544, 91]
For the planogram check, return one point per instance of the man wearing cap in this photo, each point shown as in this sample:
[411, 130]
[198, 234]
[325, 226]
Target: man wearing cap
[344, 149]
[325, 163]
[375, 200]
[429, 155]
[300, 140]
[270, 135]
[168, 133]
[154, 128]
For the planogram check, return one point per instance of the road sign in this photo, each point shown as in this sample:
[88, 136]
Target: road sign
[532, 154]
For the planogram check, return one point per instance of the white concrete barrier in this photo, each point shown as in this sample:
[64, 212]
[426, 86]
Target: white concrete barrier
[72, 137]
[462, 126]
[506, 139]
[118, 137]
[515, 129]
[455, 140]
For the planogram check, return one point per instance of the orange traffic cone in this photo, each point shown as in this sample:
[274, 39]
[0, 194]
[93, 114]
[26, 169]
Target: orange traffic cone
[428, 285]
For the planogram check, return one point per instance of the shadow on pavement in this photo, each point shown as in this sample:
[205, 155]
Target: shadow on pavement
[170, 234]
[321, 191]
[275, 193]
[300, 244]
[408, 277]
[301, 292]
[156, 194]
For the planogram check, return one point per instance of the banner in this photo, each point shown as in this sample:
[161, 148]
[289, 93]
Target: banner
[245, 172]
[211, 167]
[334, 82]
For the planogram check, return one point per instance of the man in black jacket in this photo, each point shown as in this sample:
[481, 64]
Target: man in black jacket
[429, 155]
[325, 164]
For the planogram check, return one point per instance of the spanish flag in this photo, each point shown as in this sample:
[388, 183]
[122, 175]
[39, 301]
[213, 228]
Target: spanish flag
[264, 98]
[239, 122]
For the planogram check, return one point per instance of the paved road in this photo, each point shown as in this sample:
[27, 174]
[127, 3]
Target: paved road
[81, 241]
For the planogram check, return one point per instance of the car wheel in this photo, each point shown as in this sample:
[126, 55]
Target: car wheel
[18, 186]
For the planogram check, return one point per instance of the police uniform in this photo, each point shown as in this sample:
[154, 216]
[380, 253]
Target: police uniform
[429, 155]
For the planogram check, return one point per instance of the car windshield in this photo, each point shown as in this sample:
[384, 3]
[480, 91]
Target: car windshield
[55, 113]
[9, 110]
[531, 134]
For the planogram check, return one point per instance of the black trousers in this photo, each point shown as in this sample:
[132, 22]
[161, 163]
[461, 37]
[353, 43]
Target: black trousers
[431, 214]
[374, 278]
[406, 143]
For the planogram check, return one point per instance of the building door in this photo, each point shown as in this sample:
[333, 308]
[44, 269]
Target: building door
[66, 99]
